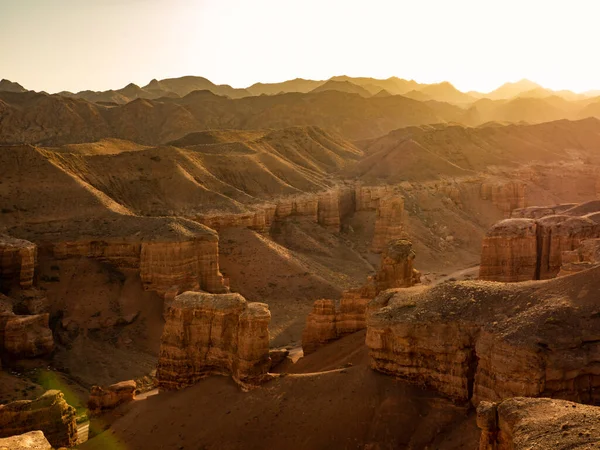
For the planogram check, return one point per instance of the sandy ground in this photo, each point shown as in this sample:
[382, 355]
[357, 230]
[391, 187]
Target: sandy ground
[330, 399]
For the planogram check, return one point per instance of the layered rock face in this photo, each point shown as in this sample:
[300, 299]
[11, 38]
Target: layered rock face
[584, 257]
[531, 246]
[326, 323]
[34, 440]
[17, 262]
[558, 234]
[490, 341]
[207, 334]
[170, 254]
[26, 336]
[396, 269]
[368, 197]
[320, 326]
[192, 264]
[105, 399]
[505, 195]
[527, 423]
[389, 224]
[50, 414]
[509, 251]
[326, 208]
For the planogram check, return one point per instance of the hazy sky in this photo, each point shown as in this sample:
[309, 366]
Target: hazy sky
[55, 45]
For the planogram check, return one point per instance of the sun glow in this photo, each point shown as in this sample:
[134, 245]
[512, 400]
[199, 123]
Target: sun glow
[477, 45]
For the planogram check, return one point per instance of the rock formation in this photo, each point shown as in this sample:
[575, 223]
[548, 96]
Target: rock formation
[17, 262]
[531, 246]
[509, 251]
[490, 341]
[584, 257]
[23, 336]
[33, 440]
[320, 326]
[105, 399]
[169, 253]
[529, 423]
[396, 269]
[557, 234]
[49, 413]
[326, 208]
[389, 224]
[207, 334]
[326, 323]
[507, 196]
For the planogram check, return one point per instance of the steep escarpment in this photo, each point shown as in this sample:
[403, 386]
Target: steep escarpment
[532, 248]
[169, 253]
[490, 341]
[208, 334]
[50, 413]
[524, 423]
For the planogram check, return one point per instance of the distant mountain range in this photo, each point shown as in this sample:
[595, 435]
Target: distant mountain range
[355, 108]
[365, 87]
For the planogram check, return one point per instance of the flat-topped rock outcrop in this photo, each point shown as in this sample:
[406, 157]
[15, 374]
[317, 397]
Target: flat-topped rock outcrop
[168, 252]
[476, 340]
[529, 423]
[207, 334]
[49, 413]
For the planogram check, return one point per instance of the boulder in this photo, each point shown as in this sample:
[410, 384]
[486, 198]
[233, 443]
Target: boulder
[105, 399]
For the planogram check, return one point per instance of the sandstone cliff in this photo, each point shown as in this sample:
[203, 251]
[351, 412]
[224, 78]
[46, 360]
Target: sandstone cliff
[490, 341]
[169, 253]
[396, 269]
[389, 224]
[17, 262]
[526, 248]
[584, 257]
[320, 326]
[505, 195]
[326, 322]
[509, 251]
[529, 423]
[207, 334]
[50, 413]
[104, 399]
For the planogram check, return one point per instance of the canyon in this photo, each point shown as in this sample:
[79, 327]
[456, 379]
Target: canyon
[258, 258]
